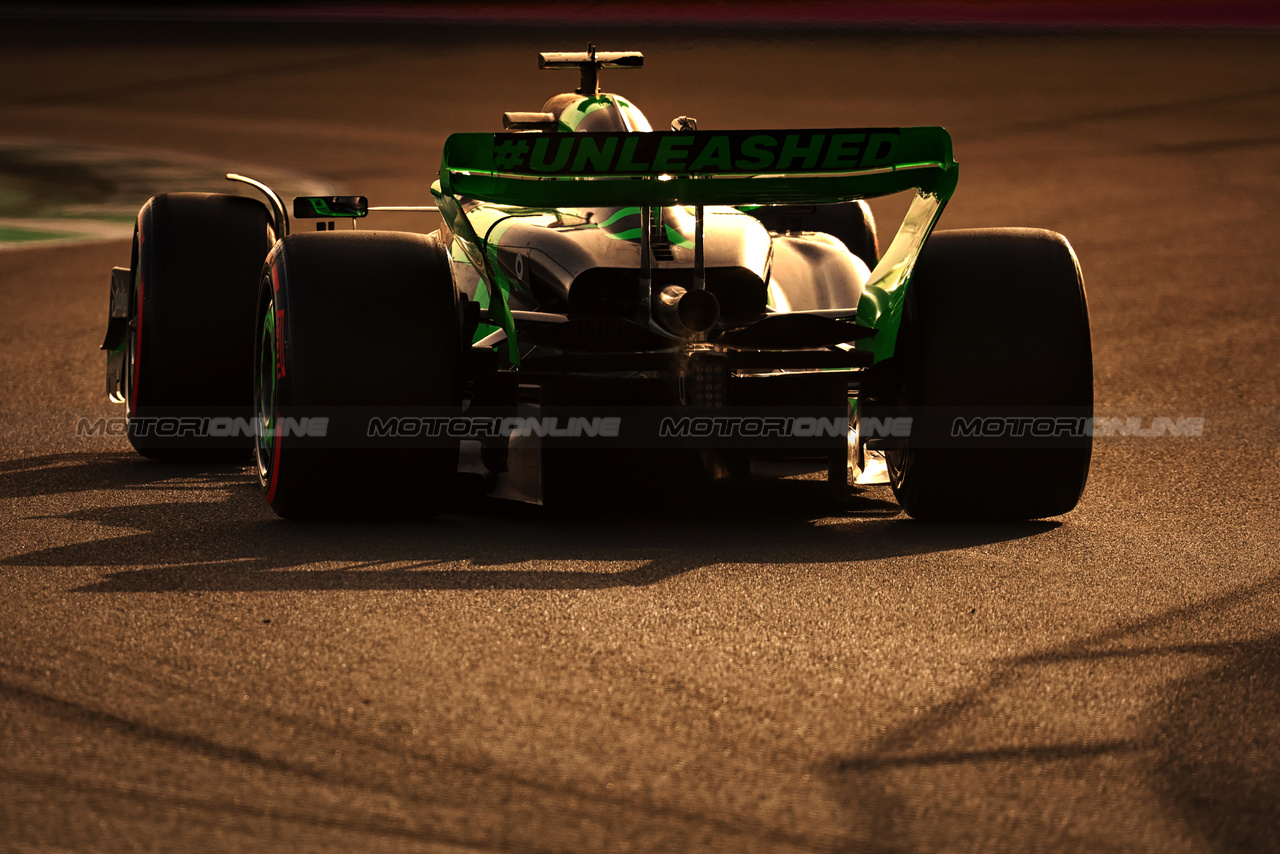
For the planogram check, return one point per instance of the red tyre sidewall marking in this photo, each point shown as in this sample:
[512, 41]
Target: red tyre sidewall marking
[274, 481]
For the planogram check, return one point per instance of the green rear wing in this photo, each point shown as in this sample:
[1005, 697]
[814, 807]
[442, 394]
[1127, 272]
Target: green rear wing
[695, 168]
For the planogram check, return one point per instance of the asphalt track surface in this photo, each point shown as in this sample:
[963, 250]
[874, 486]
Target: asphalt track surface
[760, 671]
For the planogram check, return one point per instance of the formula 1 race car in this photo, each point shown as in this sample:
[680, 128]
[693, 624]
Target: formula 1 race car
[608, 305]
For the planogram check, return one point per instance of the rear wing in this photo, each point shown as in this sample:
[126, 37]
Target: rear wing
[698, 168]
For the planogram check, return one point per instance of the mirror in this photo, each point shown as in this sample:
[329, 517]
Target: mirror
[313, 207]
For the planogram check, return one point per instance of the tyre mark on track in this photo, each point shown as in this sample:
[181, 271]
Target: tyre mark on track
[1007, 674]
[1029, 753]
[578, 799]
[900, 764]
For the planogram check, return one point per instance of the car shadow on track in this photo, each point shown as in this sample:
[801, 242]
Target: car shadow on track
[1186, 746]
[212, 532]
[58, 474]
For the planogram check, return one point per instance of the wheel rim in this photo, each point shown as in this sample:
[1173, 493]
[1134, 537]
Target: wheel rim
[264, 396]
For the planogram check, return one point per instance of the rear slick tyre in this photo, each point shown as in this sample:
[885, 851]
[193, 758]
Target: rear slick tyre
[354, 325]
[188, 350]
[996, 324]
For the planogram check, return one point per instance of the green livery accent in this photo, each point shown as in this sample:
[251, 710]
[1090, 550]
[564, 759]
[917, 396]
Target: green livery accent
[498, 307]
[751, 167]
[491, 275]
[629, 234]
[572, 117]
[621, 213]
[607, 226]
[885, 294]
[457, 255]
[320, 207]
[675, 238]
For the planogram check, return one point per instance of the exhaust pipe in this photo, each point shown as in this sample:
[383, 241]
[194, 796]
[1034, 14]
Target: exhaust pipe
[683, 312]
